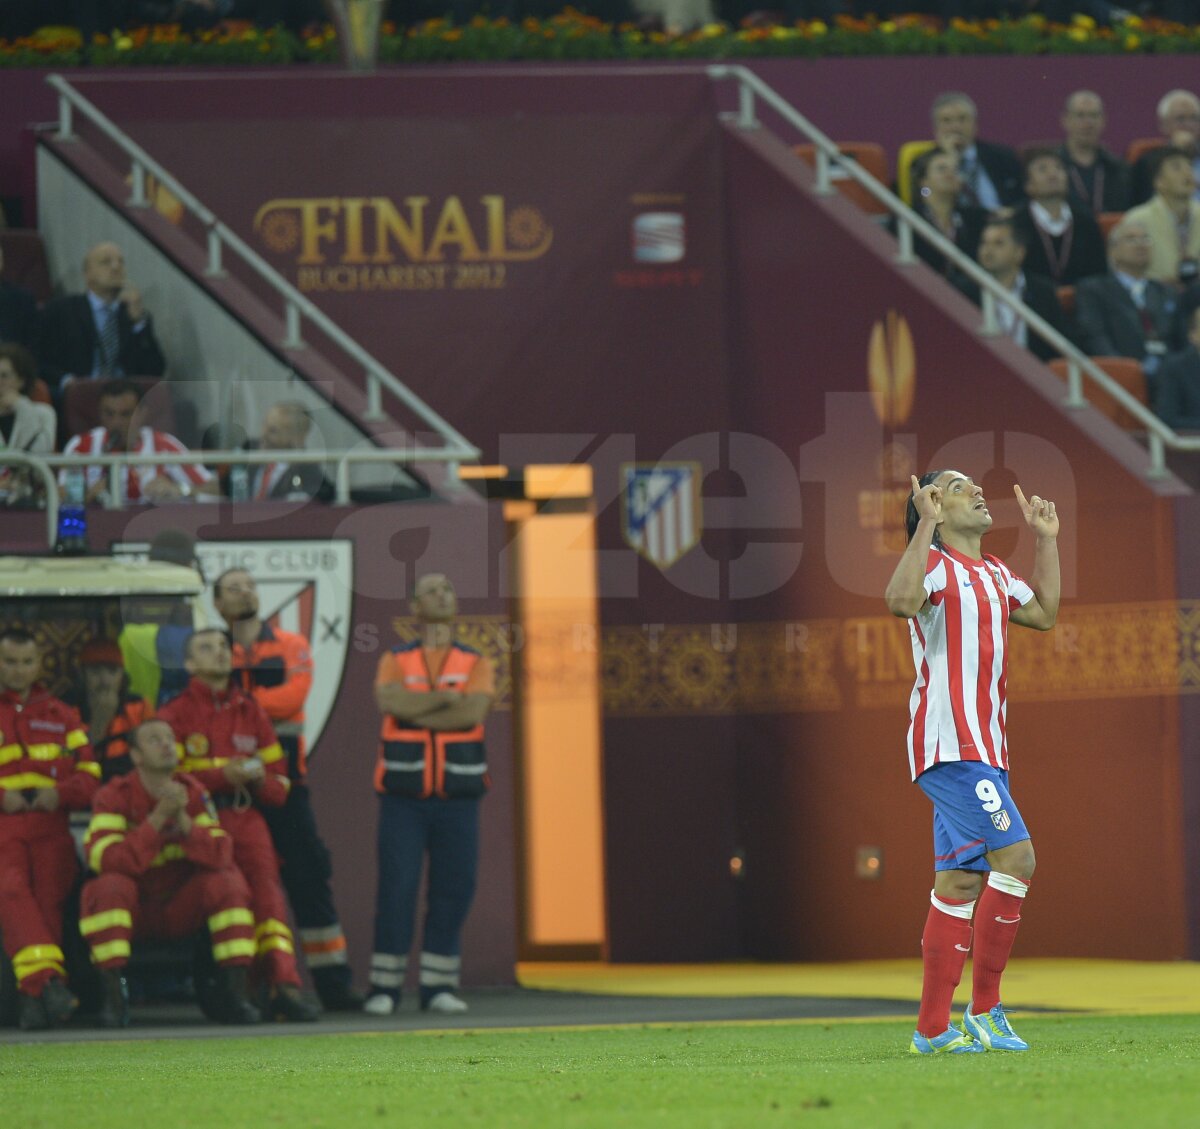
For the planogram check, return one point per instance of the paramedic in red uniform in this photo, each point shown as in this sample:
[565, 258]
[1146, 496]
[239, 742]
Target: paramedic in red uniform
[433, 694]
[275, 667]
[228, 744]
[46, 771]
[164, 870]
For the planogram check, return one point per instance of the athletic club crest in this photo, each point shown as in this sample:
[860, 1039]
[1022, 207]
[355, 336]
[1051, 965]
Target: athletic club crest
[660, 509]
[1001, 820]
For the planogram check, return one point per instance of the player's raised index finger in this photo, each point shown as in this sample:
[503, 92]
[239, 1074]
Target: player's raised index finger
[1020, 496]
[916, 484]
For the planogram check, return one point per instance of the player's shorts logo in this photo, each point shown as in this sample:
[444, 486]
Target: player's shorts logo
[1001, 820]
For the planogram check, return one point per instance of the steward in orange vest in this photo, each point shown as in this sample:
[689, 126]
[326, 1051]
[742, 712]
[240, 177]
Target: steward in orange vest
[108, 709]
[431, 773]
[276, 669]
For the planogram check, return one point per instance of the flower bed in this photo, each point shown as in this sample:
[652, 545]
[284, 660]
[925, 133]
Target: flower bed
[574, 35]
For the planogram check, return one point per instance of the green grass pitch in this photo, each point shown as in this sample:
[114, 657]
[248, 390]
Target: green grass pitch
[1084, 1072]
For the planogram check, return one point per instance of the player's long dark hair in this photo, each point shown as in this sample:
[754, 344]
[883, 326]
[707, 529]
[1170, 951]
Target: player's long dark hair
[912, 518]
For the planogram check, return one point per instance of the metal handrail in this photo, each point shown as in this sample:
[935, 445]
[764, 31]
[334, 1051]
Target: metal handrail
[39, 465]
[1159, 434]
[296, 305]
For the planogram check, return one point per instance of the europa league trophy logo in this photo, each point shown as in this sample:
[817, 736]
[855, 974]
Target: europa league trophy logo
[357, 25]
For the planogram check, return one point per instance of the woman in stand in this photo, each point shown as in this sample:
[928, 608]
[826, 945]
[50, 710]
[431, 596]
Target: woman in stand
[936, 189]
[24, 426]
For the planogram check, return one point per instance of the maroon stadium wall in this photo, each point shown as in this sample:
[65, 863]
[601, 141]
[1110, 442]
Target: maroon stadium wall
[490, 240]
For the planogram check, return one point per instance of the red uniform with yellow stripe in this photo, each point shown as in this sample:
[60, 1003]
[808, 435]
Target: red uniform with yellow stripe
[214, 727]
[426, 762]
[42, 745]
[161, 883]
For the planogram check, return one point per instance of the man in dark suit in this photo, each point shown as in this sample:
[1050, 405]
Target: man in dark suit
[285, 428]
[1063, 240]
[1124, 313]
[991, 173]
[1002, 255]
[1177, 392]
[18, 313]
[103, 332]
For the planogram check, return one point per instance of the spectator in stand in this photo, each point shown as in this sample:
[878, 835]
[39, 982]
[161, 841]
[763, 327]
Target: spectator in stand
[991, 173]
[18, 313]
[285, 428]
[1124, 313]
[104, 332]
[1096, 179]
[123, 430]
[936, 189]
[1063, 240]
[24, 425]
[107, 707]
[1179, 123]
[1177, 391]
[46, 771]
[1172, 220]
[1002, 253]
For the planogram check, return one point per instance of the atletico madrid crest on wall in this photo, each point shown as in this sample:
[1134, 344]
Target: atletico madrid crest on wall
[660, 509]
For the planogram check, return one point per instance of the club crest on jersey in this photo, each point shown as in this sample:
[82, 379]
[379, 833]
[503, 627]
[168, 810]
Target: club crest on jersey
[1001, 820]
[196, 745]
[660, 509]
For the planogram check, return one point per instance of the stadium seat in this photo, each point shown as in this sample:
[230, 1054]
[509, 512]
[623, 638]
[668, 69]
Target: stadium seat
[25, 262]
[1126, 372]
[81, 404]
[870, 156]
[1108, 220]
[1140, 146]
[1066, 299]
[909, 152]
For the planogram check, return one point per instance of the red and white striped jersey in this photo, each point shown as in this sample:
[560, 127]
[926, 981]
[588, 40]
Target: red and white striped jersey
[148, 442]
[960, 650]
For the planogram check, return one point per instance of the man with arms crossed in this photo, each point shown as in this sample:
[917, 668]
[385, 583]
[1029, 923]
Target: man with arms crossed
[959, 603]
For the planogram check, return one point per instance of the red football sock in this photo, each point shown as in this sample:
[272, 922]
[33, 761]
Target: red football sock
[997, 919]
[944, 947]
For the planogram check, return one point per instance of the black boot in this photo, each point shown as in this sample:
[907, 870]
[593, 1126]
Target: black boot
[287, 1004]
[335, 991]
[114, 1007]
[32, 1015]
[231, 1003]
[60, 1005]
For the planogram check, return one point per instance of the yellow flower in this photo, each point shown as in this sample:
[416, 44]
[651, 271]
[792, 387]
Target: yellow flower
[818, 27]
[1079, 34]
[1083, 21]
[887, 27]
[1133, 21]
[712, 31]
[1131, 42]
[123, 43]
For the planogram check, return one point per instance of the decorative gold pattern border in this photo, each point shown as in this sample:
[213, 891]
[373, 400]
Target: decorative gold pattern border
[1096, 652]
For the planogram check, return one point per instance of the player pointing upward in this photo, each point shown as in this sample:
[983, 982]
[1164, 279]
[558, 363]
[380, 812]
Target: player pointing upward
[959, 602]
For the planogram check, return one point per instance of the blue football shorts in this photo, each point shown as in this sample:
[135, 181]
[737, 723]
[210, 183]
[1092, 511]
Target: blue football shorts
[973, 813]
